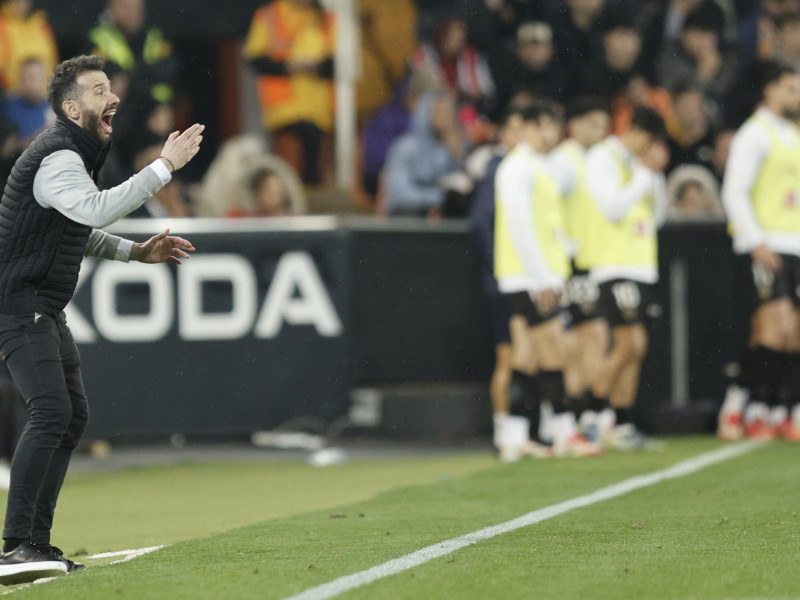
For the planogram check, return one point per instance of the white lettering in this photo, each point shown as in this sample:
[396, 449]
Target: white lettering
[194, 324]
[296, 271]
[147, 327]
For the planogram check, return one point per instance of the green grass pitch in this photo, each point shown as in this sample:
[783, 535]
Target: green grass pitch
[274, 529]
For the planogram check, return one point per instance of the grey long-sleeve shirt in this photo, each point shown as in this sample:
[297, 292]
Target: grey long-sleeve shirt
[62, 183]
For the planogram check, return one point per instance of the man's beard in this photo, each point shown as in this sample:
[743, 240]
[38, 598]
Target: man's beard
[93, 126]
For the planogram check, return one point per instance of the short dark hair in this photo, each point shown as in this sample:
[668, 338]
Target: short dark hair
[705, 17]
[617, 19]
[650, 121]
[583, 105]
[538, 108]
[62, 84]
[769, 72]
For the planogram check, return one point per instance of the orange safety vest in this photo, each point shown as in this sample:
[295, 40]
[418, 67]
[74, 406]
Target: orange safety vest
[277, 89]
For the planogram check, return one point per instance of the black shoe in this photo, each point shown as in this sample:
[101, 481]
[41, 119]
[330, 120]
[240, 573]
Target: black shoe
[55, 553]
[27, 563]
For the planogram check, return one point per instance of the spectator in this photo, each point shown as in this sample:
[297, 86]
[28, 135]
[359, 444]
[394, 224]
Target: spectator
[9, 148]
[225, 188]
[24, 35]
[139, 60]
[787, 41]
[270, 197]
[391, 121]
[419, 159]
[756, 28]
[290, 46]
[665, 27]
[577, 31]
[29, 109]
[719, 158]
[701, 59]
[491, 23]
[531, 65]
[460, 67]
[609, 71]
[691, 136]
[388, 38]
[693, 194]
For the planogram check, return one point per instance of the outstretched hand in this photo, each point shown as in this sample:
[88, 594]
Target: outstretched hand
[180, 148]
[162, 248]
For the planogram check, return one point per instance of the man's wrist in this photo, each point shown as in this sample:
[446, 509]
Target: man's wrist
[136, 252]
[168, 163]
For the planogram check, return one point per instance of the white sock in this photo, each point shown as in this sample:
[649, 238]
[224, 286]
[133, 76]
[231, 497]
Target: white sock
[514, 432]
[499, 420]
[606, 421]
[588, 419]
[756, 411]
[564, 427]
[546, 423]
[735, 399]
[796, 415]
[777, 415]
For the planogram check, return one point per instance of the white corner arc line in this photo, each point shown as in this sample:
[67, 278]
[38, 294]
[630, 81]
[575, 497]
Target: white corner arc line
[692, 465]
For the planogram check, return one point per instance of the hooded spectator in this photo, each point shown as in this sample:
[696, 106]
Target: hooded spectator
[419, 159]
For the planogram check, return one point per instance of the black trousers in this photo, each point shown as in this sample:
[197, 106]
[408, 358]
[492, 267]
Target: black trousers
[11, 409]
[41, 355]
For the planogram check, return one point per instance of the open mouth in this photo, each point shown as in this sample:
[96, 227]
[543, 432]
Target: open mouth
[105, 120]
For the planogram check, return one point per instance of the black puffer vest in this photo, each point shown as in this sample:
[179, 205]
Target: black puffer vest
[41, 249]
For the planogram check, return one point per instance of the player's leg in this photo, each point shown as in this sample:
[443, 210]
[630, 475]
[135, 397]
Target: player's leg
[769, 359]
[549, 343]
[789, 394]
[632, 340]
[592, 340]
[572, 374]
[500, 314]
[522, 392]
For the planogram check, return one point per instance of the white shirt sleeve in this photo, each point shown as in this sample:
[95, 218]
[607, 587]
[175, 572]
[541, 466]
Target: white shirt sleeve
[613, 199]
[513, 184]
[660, 198]
[749, 149]
[63, 184]
[562, 169]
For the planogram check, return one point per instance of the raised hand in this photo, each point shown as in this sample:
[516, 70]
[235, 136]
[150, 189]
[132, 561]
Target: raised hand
[180, 148]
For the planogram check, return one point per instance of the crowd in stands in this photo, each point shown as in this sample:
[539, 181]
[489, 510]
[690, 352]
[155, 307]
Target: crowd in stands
[690, 60]
[436, 76]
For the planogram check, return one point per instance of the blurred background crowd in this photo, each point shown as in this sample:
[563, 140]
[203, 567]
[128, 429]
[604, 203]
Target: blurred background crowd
[433, 78]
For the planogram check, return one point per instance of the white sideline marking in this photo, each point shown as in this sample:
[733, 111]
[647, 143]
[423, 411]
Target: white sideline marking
[128, 554]
[398, 565]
